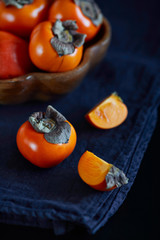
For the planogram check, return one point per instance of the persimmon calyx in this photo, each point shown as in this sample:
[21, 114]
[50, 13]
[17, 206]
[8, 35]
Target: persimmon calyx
[91, 10]
[117, 96]
[52, 124]
[17, 3]
[65, 37]
[115, 177]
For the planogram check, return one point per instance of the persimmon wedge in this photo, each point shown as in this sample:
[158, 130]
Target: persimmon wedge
[99, 174]
[110, 113]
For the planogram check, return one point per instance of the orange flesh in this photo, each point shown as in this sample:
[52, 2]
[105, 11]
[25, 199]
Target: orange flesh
[109, 113]
[93, 170]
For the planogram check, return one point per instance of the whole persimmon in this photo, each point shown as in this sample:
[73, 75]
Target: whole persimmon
[46, 139]
[56, 47]
[20, 17]
[86, 13]
[14, 56]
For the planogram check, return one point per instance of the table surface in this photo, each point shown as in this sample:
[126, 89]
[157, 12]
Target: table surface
[134, 219]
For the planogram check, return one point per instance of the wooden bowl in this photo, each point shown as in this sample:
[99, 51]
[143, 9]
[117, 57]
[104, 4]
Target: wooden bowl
[44, 86]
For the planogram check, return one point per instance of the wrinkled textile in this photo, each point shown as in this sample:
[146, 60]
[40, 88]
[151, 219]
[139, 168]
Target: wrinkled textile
[57, 198]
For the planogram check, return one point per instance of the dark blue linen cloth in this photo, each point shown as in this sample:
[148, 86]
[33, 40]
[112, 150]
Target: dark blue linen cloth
[56, 197]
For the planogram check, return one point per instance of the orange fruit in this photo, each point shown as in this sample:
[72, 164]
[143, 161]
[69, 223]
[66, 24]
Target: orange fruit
[99, 174]
[110, 113]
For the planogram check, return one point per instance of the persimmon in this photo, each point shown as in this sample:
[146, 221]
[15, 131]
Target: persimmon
[86, 13]
[20, 17]
[56, 47]
[99, 174]
[14, 56]
[109, 113]
[46, 139]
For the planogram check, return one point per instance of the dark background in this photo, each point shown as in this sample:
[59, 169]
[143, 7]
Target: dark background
[137, 218]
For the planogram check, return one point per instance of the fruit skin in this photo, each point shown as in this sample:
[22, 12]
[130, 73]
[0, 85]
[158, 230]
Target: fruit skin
[109, 113]
[44, 56]
[98, 174]
[38, 151]
[14, 56]
[22, 21]
[67, 9]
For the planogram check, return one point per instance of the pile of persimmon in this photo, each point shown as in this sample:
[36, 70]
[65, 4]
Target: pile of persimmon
[17, 20]
[64, 24]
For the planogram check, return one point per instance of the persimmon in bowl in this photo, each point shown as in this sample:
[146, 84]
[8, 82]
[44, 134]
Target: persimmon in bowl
[41, 85]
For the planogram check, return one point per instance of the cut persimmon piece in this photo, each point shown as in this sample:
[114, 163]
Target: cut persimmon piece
[99, 174]
[110, 113]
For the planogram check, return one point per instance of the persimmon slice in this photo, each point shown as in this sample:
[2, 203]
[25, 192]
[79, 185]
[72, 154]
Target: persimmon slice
[110, 113]
[99, 174]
